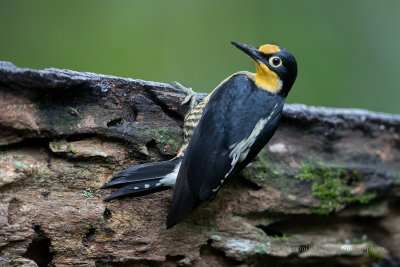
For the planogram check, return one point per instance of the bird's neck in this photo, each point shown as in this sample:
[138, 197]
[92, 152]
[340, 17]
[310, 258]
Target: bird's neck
[267, 79]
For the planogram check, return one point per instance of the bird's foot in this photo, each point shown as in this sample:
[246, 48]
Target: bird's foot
[191, 96]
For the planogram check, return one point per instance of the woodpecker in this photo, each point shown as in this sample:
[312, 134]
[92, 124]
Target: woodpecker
[223, 133]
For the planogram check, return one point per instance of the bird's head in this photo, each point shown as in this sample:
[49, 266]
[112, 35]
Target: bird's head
[276, 67]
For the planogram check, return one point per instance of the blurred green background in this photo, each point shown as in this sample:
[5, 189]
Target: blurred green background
[348, 52]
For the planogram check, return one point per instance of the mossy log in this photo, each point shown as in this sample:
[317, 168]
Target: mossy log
[325, 190]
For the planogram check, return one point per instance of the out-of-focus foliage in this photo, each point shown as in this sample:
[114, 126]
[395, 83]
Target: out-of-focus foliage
[347, 51]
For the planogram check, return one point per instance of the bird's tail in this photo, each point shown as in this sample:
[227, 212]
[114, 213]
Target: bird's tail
[143, 178]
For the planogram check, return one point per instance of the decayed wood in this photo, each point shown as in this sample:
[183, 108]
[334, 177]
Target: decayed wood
[324, 190]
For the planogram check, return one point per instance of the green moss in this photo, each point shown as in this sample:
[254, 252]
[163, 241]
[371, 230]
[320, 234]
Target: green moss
[97, 193]
[362, 240]
[267, 172]
[264, 169]
[73, 111]
[261, 171]
[70, 148]
[17, 157]
[163, 136]
[43, 172]
[171, 142]
[53, 145]
[164, 130]
[262, 248]
[286, 238]
[376, 252]
[366, 198]
[329, 186]
[87, 192]
[57, 144]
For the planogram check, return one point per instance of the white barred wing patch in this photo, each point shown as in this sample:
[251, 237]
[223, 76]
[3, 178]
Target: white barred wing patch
[240, 150]
[170, 179]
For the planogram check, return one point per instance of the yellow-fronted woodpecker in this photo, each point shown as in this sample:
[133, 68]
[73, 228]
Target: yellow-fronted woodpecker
[223, 133]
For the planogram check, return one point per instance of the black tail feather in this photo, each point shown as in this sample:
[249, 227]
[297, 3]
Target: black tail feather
[140, 178]
[130, 190]
[120, 182]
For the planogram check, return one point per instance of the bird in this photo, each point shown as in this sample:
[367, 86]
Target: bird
[223, 134]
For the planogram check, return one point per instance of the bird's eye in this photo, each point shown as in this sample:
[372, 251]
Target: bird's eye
[275, 61]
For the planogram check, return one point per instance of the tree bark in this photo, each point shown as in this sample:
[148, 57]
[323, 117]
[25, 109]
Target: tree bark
[325, 190]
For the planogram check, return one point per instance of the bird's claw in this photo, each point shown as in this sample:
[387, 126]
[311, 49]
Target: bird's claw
[191, 96]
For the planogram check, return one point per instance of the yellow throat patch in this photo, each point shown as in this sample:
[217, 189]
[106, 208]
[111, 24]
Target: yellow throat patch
[266, 79]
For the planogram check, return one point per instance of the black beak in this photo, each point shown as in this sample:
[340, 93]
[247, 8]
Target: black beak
[249, 50]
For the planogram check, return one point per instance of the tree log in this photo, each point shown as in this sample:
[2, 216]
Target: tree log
[325, 190]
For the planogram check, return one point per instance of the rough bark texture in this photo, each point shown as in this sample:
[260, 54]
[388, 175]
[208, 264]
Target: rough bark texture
[325, 190]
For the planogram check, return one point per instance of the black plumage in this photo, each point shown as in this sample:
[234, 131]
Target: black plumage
[140, 178]
[232, 113]
[223, 134]
[239, 119]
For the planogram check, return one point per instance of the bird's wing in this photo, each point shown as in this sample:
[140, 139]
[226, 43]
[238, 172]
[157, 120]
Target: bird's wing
[234, 120]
